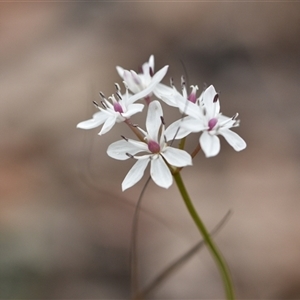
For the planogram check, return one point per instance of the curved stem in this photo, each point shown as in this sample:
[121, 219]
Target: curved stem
[207, 238]
[179, 262]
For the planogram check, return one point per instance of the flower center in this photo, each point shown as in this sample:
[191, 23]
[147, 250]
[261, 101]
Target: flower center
[193, 97]
[153, 147]
[212, 123]
[118, 107]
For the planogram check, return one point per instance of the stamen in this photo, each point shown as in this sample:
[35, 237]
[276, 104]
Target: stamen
[117, 87]
[182, 82]
[183, 88]
[125, 138]
[171, 82]
[104, 104]
[102, 95]
[235, 116]
[162, 120]
[119, 95]
[96, 104]
[236, 123]
[129, 155]
[151, 72]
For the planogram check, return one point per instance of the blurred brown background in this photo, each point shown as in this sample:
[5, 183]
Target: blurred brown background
[64, 222]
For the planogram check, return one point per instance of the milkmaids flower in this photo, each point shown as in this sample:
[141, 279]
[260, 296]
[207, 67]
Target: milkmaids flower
[155, 150]
[205, 116]
[116, 110]
[137, 82]
[171, 96]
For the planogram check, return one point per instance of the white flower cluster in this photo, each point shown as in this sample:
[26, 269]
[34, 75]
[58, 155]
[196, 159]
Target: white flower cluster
[200, 114]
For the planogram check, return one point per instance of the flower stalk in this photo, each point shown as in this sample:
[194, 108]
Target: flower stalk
[224, 271]
[155, 147]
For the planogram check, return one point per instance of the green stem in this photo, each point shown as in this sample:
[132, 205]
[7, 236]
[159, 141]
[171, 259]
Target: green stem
[207, 238]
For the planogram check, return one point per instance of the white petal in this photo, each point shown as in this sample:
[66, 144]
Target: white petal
[160, 173]
[151, 62]
[135, 174]
[210, 144]
[233, 139]
[120, 71]
[145, 76]
[153, 121]
[108, 125]
[176, 131]
[118, 150]
[162, 89]
[129, 80]
[155, 80]
[177, 157]
[138, 144]
[165, 93]
[98, 119]
[187, 107]
[193, 125]
[212, 108]
[225, 122]
[132, 109]
[159, 75]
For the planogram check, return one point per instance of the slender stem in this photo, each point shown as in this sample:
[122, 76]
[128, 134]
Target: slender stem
[197, 149]
[207, 238]
[182, 143]
[133, 246]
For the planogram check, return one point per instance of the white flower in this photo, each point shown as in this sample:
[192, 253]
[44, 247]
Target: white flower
[171, 96]
[205, 116]
[137, 82]
[116, 111]
[154, 150]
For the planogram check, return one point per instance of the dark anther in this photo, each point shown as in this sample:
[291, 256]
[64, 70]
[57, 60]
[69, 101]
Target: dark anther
[216, 98]
[129, 155]
[151, 72]
[162, 120]
[118, 95]
[96, 104]
[102, 95]
[104, 104]
[125, 138]
[117, 87]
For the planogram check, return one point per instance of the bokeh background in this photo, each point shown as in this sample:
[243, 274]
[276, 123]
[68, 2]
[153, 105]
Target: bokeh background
[64, 222]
